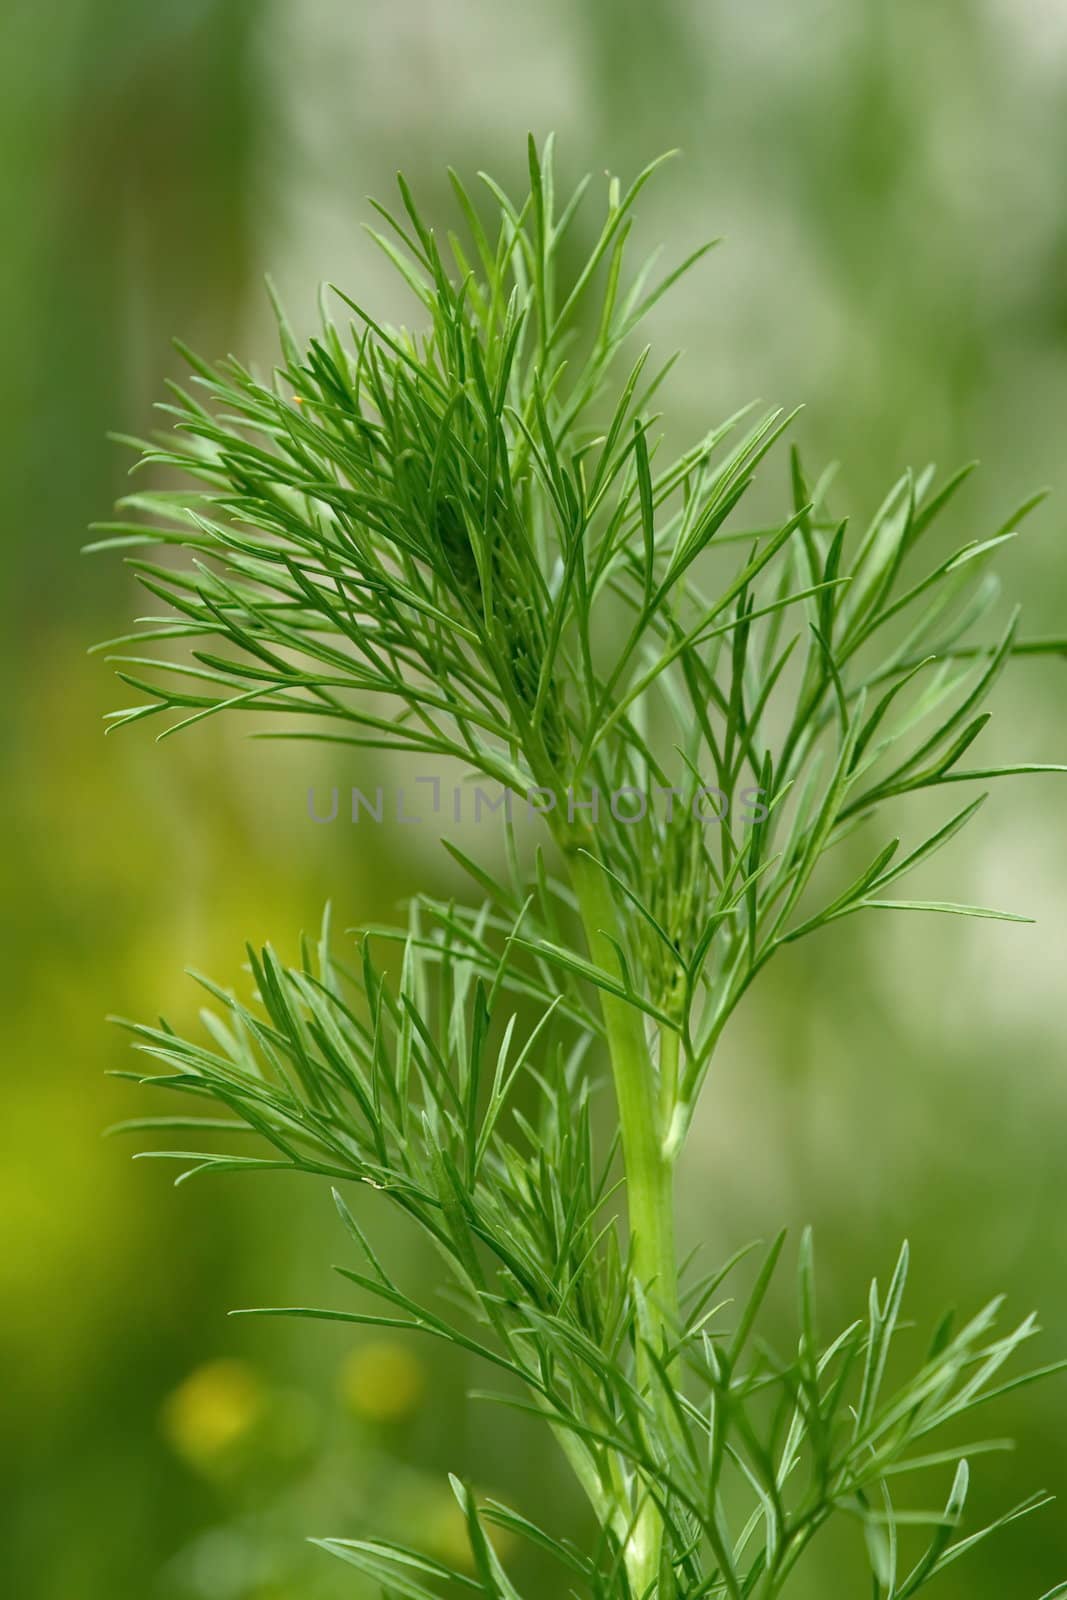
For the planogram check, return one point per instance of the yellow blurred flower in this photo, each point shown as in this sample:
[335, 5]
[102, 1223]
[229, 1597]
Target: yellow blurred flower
[212, 1410]
[446, 1535]
[381, 1381]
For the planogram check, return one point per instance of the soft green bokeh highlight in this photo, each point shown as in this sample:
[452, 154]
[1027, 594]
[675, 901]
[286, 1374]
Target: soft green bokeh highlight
[889, 178]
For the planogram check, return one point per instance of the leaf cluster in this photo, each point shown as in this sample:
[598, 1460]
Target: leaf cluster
[452, 544]
[486, 1143]
[467, 543]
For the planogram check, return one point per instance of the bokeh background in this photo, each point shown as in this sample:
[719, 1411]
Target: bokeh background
[889, 176]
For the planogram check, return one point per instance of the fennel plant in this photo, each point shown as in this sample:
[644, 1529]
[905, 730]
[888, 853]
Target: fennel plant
[466, 543]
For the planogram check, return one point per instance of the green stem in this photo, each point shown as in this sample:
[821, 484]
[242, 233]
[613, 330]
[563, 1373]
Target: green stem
[649, 1175]
[670, 1045]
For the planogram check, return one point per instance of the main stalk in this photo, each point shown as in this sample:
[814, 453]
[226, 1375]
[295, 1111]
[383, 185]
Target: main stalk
[649, 1176]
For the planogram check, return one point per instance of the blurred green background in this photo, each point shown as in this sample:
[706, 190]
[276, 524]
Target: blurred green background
[889, 178]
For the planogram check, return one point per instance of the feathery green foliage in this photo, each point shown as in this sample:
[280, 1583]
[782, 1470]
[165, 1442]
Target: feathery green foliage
[466, 543]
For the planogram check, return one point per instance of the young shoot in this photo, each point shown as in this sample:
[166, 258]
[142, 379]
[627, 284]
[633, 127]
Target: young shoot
[468, 542]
